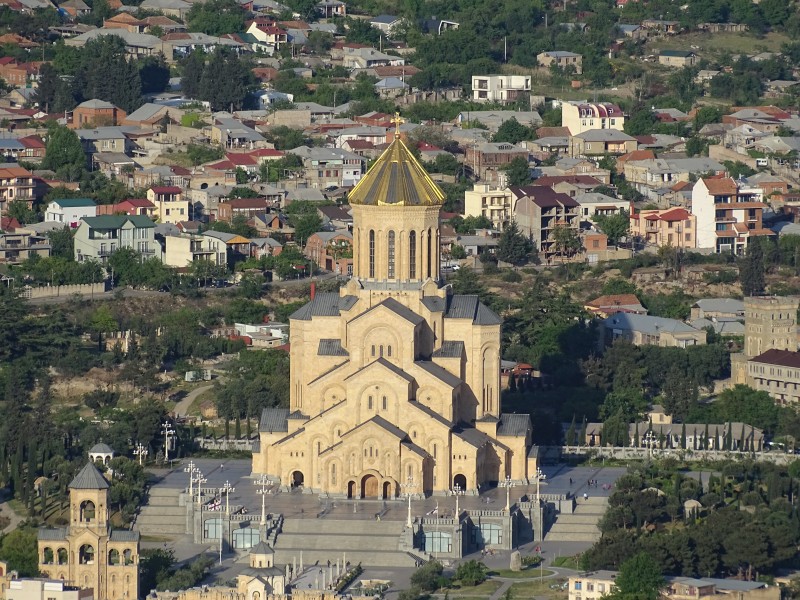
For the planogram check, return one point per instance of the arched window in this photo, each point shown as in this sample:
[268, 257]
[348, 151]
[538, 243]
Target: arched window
[333, 474]
[62, 556]
[373, 349]
[390, 255]
[127, 557]
[87, 511]
[389, 351]
[369, 402]
[86, 554]
[385, 403]
[430, 251]
[113, 557]
[48, 557]
[371, 253]
[412, 254]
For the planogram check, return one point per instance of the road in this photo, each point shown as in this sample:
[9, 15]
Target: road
[7, 512]
[182, 407]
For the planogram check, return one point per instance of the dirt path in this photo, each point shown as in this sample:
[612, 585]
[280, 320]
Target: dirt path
[182, 407]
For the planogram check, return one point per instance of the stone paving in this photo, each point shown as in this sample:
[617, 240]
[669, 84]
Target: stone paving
[295, 504]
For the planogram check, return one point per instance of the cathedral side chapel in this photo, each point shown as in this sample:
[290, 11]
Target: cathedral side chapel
[395, 380]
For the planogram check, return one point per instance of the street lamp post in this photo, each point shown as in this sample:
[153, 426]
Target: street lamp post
[263, 483]
[225, 489]
[457, 491]
[190, 469]
[140, 451]
[168, 432]
[198, 479]
[407, 487]
[539, 476]
[508, 484]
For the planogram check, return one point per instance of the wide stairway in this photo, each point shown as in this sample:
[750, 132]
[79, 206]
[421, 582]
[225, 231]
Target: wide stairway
[371, 543]
[580, 526]
[162, 515]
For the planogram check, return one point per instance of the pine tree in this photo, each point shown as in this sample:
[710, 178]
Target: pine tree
[571, 432]
[513, 247]
[582, 436]
[193, 68]
[705, 438]
[683, 437]
[512, 383]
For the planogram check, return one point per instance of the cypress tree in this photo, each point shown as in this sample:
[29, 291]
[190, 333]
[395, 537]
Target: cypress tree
[582, 437]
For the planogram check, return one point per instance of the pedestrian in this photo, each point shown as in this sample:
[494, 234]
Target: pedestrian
[222, 467]
[585, 496]
[570, 481]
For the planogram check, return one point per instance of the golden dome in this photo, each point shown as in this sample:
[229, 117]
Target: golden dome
[397, 179]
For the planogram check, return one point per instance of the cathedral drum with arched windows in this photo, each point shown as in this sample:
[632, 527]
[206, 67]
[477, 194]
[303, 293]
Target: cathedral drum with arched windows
[394, 380]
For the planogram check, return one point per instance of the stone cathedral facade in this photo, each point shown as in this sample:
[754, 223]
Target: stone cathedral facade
[395, 380]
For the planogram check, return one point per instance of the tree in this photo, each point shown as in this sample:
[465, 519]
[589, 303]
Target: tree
[61, 243]
[19, 549]
[567, 242]
[751, 270]
[102, 322]
[518, 172]
[63, 149]
[428, 576]
[513, 132]
[192, 72]
[616, 226]
[216, 17]
[154, 74]
[513, 247]
[18, 209]
[639, 578]
[471, 573]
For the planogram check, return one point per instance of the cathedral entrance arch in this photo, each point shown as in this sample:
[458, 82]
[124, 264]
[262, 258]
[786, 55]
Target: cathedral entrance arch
[370, 486]
[351, 489]
[387, 490]
[460, 481]
[297, 479]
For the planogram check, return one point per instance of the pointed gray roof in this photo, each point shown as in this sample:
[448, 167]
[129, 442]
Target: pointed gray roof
[89, 478]
[101, 448]
[262, 548]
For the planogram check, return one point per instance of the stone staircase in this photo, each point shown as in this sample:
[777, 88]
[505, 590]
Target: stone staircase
[581, 525]
[371, 543]
[162, 515]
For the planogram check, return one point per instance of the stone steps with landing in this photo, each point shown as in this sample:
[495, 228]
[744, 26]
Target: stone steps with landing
[335, 541]
[342, 526]
[581, 525]
[367, 558]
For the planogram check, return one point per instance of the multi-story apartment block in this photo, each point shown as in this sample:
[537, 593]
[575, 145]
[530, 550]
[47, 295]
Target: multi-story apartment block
[70, 211]
[16, 183]
[539, 211]
[583, 116]
[728, 213]
[486, 159]
[97, 238]
[485, 200]
[19, 245]
[171, 207]
[675, 227]
[505, 89]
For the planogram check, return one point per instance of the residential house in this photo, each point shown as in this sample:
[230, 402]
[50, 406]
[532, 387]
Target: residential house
[267, 32]
[265, 246]
[543, 147]
[538, 210]
[166, 24]
[232, 133]
[186, 249]
[485, 200]
[437, 26]
[571, 185]
[14, 39]
[386, 23]
[16, 183]
[568, 61]
[136, 44]
[661, 26]
[483, 242]
[15, 73]
[718, 308]
[270, 224]
[125, 21]
[653, 174]
[246, 207]
[236, 247]
[335, 218]
[114, 164]
[595, 203]
[579, 117]
[329, 9]
[98, 237]
[324, 167]
[20, 97]
[487, 159]
[567, 165]
[170, 204]
[45, 589]
[677, 58]
[70, 211]
[34, 148]
[131, 206]
[182, 43]
[675, 227]
[106, 139]
[599, 142]
[605, 306]
[331, 250]
[769, 184]
[503, 89]
[170, 8]
[596, 584]
[75, 8]
[391, 87]
[729, 214]
[19, 245]
[634, 32]
[367, 58]
[150, 115]
[643, 330]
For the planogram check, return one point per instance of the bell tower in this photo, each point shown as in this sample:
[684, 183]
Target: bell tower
[396, 208]
[88, 499]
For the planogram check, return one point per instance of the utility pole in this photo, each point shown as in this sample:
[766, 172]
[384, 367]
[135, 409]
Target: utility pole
[168, 432]
[263, 483]
[225, 489]
[140, 451]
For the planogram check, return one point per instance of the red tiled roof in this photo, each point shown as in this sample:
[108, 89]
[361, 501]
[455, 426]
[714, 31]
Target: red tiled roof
[241, 159]
[138, 202]
[614, 300]
[9, 223]
[550, 180]
[637, 155]
[720, 186]
[267, 152]
[166, 189]
[32, 141]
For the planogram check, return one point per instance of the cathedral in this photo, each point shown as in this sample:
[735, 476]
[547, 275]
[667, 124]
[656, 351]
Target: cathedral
[88, 553]
[395, 380]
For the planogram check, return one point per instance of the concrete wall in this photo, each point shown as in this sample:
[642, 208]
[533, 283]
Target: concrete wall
[63, 290]
[721, 153]
[778, 458]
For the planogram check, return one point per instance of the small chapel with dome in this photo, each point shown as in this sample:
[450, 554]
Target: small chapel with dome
[394, 380]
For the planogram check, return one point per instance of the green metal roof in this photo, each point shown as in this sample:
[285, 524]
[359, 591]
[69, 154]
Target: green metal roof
[117, 221]
[74, 202]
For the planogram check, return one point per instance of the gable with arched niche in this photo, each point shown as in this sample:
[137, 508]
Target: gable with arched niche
[333, 394]
[378, 389]
[438, 397]
[381, 325]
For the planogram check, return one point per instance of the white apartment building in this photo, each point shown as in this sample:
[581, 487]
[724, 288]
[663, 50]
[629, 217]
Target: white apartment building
[729, 214]
[580, 117]
[505, 89]
[490, 202]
